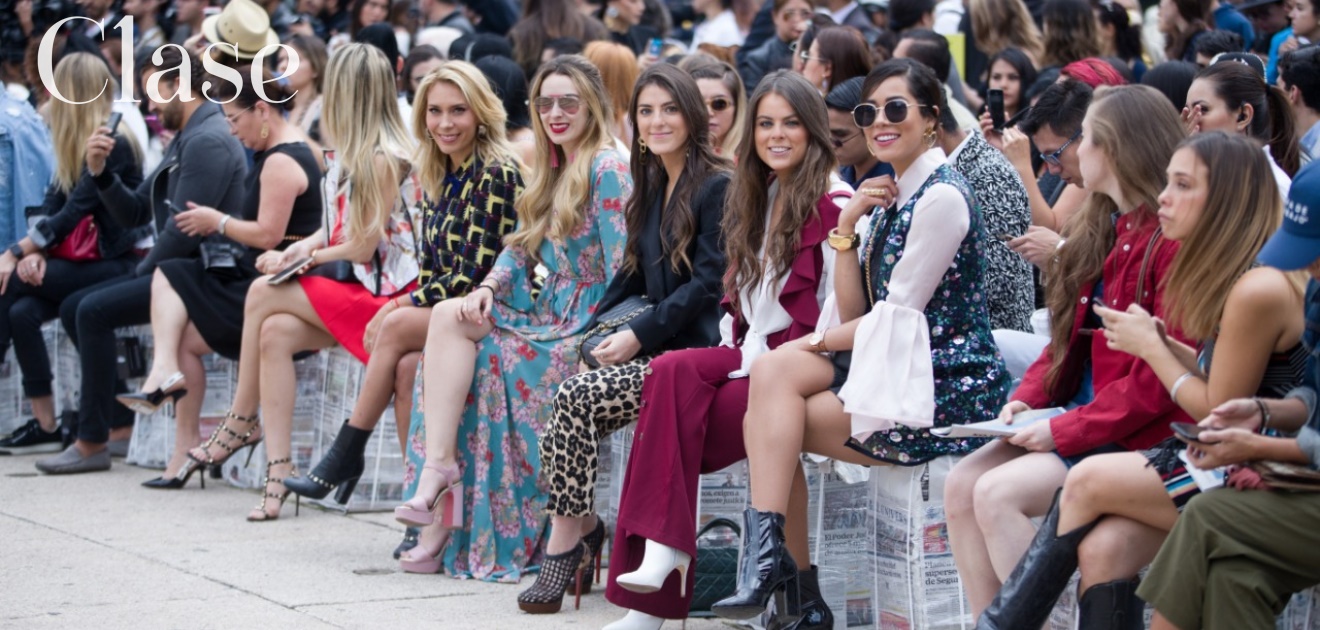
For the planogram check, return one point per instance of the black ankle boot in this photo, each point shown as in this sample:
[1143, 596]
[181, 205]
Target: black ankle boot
[342, 466]
[765, 569]
[1112, 606]
[1028, 595]
[816, 614]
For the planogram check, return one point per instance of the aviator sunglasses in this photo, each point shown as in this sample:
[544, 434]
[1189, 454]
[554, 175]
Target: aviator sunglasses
[569, 104]
[896, 111]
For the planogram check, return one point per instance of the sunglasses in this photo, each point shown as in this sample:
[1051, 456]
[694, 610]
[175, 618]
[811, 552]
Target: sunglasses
[1053, 158]
[840, 139]
[568, 104]
[718, 104]
[896, 111]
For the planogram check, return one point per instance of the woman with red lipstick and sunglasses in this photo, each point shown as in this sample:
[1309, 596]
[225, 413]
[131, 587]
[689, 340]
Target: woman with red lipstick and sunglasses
[1115, 255]
[495, 358]
[911, 344]
[779, 208]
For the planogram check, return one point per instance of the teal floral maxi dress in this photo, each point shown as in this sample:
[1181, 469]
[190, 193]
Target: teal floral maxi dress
[532, 349]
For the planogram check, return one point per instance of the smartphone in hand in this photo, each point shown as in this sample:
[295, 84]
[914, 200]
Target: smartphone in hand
[290, 271]
[995, 103]
[113, 125]
[1188, 432]
[655, 46]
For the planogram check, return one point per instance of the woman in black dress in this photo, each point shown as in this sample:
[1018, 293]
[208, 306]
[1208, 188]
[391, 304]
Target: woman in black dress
[197, 308]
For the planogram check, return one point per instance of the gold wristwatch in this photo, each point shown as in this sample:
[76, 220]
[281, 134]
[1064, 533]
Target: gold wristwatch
[843, 242]
[817, 342]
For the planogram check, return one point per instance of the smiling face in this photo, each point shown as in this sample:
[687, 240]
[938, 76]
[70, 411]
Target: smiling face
[714, 91]
[899, 143]
[562, 127]
[1003, 76]
[451, 121]
[1215, 114]
[780, 136]
[660, 123]
[1183, 200]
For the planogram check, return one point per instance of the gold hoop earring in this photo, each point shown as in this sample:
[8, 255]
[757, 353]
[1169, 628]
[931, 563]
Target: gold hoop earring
[265, 130]
[929, 137]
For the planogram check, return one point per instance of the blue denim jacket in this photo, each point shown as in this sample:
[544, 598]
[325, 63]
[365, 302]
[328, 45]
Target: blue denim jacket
[1309, 437]
[27, 163]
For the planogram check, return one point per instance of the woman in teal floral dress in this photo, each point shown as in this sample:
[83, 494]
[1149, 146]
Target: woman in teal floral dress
[489, 504]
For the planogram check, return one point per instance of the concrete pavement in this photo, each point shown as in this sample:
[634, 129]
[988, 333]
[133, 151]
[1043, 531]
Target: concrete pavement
[98, 551]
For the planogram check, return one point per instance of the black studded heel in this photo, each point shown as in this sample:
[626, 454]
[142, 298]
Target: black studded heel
[242, 439]
[559, 572]
[261, 514]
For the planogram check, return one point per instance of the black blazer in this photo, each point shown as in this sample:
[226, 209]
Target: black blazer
[687, 305]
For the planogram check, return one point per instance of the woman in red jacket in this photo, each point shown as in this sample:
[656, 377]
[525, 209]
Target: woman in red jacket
[1114, 255]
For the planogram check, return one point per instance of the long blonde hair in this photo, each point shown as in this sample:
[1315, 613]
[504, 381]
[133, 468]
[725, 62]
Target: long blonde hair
[492, 142]
[1242, 209]
[559, 187]
[361, 119]
[79, 76]
[1118, 115]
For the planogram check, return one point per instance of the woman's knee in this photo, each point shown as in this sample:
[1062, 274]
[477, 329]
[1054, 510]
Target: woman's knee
[259, 296]
[1086, 483]
[959, 490]
[278, 331]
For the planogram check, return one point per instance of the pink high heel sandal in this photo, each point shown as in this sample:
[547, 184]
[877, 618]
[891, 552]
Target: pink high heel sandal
[446, 506]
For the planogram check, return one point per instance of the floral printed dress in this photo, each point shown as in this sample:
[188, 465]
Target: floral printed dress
[532, 349]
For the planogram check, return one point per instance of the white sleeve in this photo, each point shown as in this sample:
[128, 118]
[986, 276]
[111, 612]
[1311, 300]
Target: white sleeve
[726, 331]
[939, 222]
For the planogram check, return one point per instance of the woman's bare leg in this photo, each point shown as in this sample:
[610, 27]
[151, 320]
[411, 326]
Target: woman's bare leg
[169, 319]
[1117, 549]
[970, 551]
[188, 410]
[776, 420]
[402, 331]
[405, 377]
[1119, 484]
[451, 356]
[1007, 498]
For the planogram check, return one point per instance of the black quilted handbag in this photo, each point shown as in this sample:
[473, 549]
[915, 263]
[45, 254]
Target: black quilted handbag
[610, 322]
[717, 569]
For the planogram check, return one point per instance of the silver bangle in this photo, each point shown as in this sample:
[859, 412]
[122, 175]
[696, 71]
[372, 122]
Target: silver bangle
[1173, 391]
[223, 221]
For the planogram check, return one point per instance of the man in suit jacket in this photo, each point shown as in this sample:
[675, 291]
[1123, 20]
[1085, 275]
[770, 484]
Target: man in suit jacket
[850, 13]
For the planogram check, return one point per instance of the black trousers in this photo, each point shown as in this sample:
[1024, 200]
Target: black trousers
[24, 308]
[90, 317]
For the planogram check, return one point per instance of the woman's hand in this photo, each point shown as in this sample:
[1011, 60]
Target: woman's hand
[1134, 332]
[476, 306]
[269, 262]
[1037, 246]
[292, 254]
[1036, 438]
[617, 348]
[992, 135]
[1222, 447]
[1017, 148]
[1289, 45]
[876, 191]
[373, 326]
[1013, 407]
[1191, 119]
[32, 269]
[199, 220]
[1239, 413]
[99, 147]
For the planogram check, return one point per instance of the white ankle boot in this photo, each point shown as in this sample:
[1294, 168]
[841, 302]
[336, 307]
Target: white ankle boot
[637, 620]
[658, 562]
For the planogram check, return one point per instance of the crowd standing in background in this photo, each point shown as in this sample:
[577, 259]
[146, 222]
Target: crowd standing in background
[750, 229]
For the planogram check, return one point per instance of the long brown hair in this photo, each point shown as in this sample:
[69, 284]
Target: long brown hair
[744, 221]
[1070, 32]
[1242, 209]
[1117, 115]
[558, 188]
[1198, 17]
[678, 225]
[1000, 24]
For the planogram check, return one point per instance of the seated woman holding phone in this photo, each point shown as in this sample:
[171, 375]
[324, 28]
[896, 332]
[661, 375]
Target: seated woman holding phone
[1117, 509]
[362, 256]
[74, 245]
[197, 303]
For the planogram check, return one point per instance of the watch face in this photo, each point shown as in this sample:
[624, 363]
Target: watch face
[816, 338]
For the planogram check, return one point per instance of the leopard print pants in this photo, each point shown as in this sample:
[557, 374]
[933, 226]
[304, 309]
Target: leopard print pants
[587, 408]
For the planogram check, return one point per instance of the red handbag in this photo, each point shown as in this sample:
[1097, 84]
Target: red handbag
[80, 245]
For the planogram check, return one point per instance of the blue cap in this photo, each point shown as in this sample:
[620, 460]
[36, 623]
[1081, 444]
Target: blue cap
[1297, 242]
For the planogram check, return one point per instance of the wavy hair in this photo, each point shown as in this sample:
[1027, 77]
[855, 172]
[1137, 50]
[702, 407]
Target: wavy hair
[1198, 17]
[1242, 209]
[79, 76]
[1271, 115]
[1001, 24]
[677, 223]
[361, 120]
[1070, 32]
[1116, 115]
[744, 220]
[491, 142]
[703, 66]
[559, 187]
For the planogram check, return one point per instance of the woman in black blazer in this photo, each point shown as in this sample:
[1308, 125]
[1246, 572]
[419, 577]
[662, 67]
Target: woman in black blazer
[675, 259]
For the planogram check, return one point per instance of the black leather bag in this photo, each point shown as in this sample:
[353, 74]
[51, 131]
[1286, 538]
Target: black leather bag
[610, 322]
[717, 569]
[220, 256]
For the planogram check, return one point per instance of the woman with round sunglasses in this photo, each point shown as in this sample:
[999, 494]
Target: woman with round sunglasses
[779, 208]
[495, 358]
[1115, 255]
[726, 100]
[906, 347]
[673, 260]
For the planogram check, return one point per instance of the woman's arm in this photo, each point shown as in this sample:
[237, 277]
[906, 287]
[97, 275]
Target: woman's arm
[282, 181]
